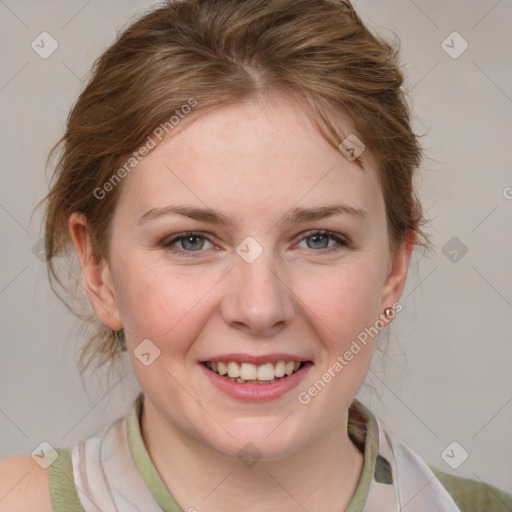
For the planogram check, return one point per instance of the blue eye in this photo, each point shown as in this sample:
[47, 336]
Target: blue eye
[320, 240]
[194, 242]
[190, 242]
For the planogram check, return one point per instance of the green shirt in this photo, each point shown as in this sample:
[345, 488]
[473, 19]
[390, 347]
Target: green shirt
[469, 495]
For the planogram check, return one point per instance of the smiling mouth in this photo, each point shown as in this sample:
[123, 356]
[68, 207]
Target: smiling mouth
[248, 373]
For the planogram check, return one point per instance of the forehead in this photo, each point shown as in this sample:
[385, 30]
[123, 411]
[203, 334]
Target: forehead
[255, 155]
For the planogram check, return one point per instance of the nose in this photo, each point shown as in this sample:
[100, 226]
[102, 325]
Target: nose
[258, 299]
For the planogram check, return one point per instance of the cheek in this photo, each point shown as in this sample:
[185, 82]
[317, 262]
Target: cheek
[344, 299]
[142, 294]
[343, 306]
[160, 301]
[166, 302]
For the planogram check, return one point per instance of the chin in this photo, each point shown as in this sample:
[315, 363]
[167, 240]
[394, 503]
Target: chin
[257, 443]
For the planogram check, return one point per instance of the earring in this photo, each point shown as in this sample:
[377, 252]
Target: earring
[121, 339]
[388, 312]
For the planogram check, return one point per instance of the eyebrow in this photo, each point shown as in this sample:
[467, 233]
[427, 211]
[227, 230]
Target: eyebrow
[295, 215]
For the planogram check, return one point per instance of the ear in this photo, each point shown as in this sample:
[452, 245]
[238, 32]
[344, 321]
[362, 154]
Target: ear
[397, 276]
[96, 274]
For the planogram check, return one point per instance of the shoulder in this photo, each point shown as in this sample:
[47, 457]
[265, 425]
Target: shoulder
[24, 485]
[469, 495]
[474, 496]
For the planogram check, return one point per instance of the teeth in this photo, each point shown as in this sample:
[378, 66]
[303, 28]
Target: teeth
[280, 369]
[248, 371]
[233, 370]
[251, 373]
[266, 371]
[221, 368]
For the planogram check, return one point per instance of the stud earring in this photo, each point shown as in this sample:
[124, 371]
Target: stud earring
[388, 312]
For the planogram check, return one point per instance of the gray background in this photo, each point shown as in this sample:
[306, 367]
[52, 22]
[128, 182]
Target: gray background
[446, 374]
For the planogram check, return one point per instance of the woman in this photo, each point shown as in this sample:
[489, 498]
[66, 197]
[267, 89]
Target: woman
[236, 181]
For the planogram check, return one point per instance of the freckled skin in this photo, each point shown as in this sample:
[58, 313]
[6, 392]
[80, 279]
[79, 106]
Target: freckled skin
[252, 162]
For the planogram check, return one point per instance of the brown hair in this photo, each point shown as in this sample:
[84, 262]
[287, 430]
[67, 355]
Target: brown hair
[217, 52]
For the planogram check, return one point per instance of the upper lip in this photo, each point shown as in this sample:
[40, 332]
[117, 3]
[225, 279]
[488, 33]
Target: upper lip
[258, 360]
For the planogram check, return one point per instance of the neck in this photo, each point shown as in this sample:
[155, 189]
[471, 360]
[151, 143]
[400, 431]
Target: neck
[321, 476]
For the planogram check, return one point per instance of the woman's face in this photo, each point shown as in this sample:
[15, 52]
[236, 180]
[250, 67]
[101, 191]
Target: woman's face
[254, 283]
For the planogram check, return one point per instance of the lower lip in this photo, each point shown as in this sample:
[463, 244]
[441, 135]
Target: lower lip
[257, 392]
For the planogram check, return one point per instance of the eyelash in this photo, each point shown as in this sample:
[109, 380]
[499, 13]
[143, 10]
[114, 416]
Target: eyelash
[167, 243]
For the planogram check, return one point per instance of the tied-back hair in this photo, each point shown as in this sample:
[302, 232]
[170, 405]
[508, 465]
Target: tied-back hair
[215, 53]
